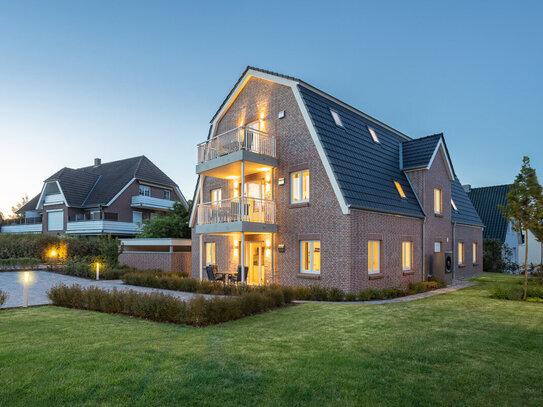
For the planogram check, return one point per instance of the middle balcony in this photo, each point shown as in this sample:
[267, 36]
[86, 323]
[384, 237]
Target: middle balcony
[221, 156]
[241, 214]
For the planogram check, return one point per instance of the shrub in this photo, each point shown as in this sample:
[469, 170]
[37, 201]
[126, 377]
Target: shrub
[350, 297]
[335, 294]
[19, 262]
[199, 311]
[369, 294]
[3, 297]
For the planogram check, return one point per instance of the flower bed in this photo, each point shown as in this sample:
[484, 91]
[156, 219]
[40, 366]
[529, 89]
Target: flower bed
[199, 311]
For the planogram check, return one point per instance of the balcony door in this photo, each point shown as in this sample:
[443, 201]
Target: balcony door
[253, 139]
[254, 260]
[255, 190]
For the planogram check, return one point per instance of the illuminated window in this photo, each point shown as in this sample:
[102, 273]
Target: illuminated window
[399, 188]
[437, 201]
[474, 253]
[216, 195]
[374, 250]
[407, 255]
[145, 190]
[373, 135]
[337, 118]
[299, 186]
[310, 256]
[454, 205]
[210, 253]
[460, 253]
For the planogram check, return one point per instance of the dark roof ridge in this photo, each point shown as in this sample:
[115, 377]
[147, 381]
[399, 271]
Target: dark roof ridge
[425, 137]
[111, 162]
[491, 186]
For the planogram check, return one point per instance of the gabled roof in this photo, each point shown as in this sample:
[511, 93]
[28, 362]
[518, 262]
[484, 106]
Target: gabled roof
[98, 185]
[30, 205]
[486, 201]
[466, 213]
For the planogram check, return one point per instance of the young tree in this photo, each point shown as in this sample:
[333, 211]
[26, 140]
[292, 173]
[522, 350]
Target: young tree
[174, 224]
[19, 205]
[525, 207]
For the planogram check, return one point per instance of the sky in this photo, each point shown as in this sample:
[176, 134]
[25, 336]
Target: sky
[113, 80]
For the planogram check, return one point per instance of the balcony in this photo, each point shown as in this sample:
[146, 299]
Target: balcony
[221, 155]
[142, 201]
[98, 223]
[242, 214]
[53, 199]
[23, 225]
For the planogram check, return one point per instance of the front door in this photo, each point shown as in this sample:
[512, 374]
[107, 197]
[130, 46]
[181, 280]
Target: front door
[255, 263]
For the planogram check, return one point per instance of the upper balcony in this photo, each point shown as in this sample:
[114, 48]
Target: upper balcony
[241, 214]
[142, 201]
[53, 199]
[221, 156]
[99, 223]
[23, 225]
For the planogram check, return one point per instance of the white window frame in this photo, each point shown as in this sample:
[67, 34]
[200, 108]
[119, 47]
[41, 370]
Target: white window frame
[372, 255]
[218, 192]
[474, 255]
[337, 118]
[373, 134]
[300, 186]
[437, 245]
[167, 194]
[311, 269]
[145, 190]
[440, 212]
[407, 247]
[212, 246]
[461, 254]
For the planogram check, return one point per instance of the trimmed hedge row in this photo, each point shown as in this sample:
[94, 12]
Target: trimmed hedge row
[534, 293]
[179, 282]
[199, 311]
[19, 262]
[3, 297]
[87, 269]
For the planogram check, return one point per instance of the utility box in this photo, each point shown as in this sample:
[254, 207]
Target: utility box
[441, 266]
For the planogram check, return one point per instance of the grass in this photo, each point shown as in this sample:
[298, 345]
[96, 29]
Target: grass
[456, 349]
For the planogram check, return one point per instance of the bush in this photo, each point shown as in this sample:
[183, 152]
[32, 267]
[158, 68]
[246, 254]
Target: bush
[335, 294]
[350, 297]
[19, 262]
[3, 297]
[199, 311]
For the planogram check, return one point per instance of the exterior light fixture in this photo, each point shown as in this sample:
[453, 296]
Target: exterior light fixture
[97, 271]
[53, 253]
[26, 283]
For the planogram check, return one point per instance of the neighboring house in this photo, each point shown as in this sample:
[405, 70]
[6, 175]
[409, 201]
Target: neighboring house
[487, 201]
[110, 198]
[302, 188]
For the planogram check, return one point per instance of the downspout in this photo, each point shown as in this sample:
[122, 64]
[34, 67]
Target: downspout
[423, 249]
[454, 251]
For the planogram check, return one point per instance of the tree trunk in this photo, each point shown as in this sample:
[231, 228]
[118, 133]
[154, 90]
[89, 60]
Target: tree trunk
[526, 266]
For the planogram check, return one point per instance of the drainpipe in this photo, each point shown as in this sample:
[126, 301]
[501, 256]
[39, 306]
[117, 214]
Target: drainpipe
[454, 251]
[423, 249]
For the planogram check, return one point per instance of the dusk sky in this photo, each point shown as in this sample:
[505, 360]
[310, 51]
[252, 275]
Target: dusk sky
[80, 80]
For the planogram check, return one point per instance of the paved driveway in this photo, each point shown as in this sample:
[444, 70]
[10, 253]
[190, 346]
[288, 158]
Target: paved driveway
[42, 281]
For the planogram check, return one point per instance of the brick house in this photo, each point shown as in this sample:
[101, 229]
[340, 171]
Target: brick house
[106, 198]
[303, 189]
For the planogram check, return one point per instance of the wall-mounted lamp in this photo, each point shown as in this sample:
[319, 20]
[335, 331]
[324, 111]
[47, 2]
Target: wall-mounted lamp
[281, 181]
[281, 248]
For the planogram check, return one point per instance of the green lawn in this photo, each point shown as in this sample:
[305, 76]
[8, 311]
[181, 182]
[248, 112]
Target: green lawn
[461, 348]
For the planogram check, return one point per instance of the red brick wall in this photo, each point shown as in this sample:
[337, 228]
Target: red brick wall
[177, 261]
[468, 235]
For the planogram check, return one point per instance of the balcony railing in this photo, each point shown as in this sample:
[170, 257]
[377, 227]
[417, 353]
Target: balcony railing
[151, 202]
[53, 199]
[24, 221]
[85, 217]
[241, 138]
[237, 210]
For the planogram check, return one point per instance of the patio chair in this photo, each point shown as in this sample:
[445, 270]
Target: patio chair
[211, 271]
[237, 277]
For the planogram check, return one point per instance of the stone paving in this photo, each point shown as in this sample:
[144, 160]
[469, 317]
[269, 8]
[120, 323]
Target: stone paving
[41, 281]
[456, 285]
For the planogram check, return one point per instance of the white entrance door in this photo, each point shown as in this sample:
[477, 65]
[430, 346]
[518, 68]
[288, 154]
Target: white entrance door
[255, 261]
[55, 220]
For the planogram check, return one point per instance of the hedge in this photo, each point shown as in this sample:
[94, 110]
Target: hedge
[86, 269]
[3, 297]
[516, 292]
[180, 282]
[19, 262]
[198, 311]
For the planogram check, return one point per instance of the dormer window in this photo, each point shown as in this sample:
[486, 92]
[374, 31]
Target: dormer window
[454, 205]
[337, 118]
[373, 135]
[399, 188]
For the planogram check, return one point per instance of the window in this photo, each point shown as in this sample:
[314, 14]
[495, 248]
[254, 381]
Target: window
[460, 253]
[210, 253]
[337, 118]
[216, 195]
[437, 201]
[437, 247]
[407, 255]
[299, 186]
[310, 253]
[454, 206]
[145, 190]
[373, 135]
[474, 253]
[167, 194]
[374, 249]
[399, 188]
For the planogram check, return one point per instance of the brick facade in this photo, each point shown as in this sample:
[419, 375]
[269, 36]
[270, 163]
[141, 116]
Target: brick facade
[343, 238]
[177, 261]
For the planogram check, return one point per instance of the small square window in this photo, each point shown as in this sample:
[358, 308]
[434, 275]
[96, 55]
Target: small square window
[373, 135]
[454, 206]
[399, 188]
[310, 256]
[337, 118]
[167, 194]
[437, 247]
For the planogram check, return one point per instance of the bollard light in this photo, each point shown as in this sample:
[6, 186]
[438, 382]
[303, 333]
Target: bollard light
[97, 271]
[26, 282]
